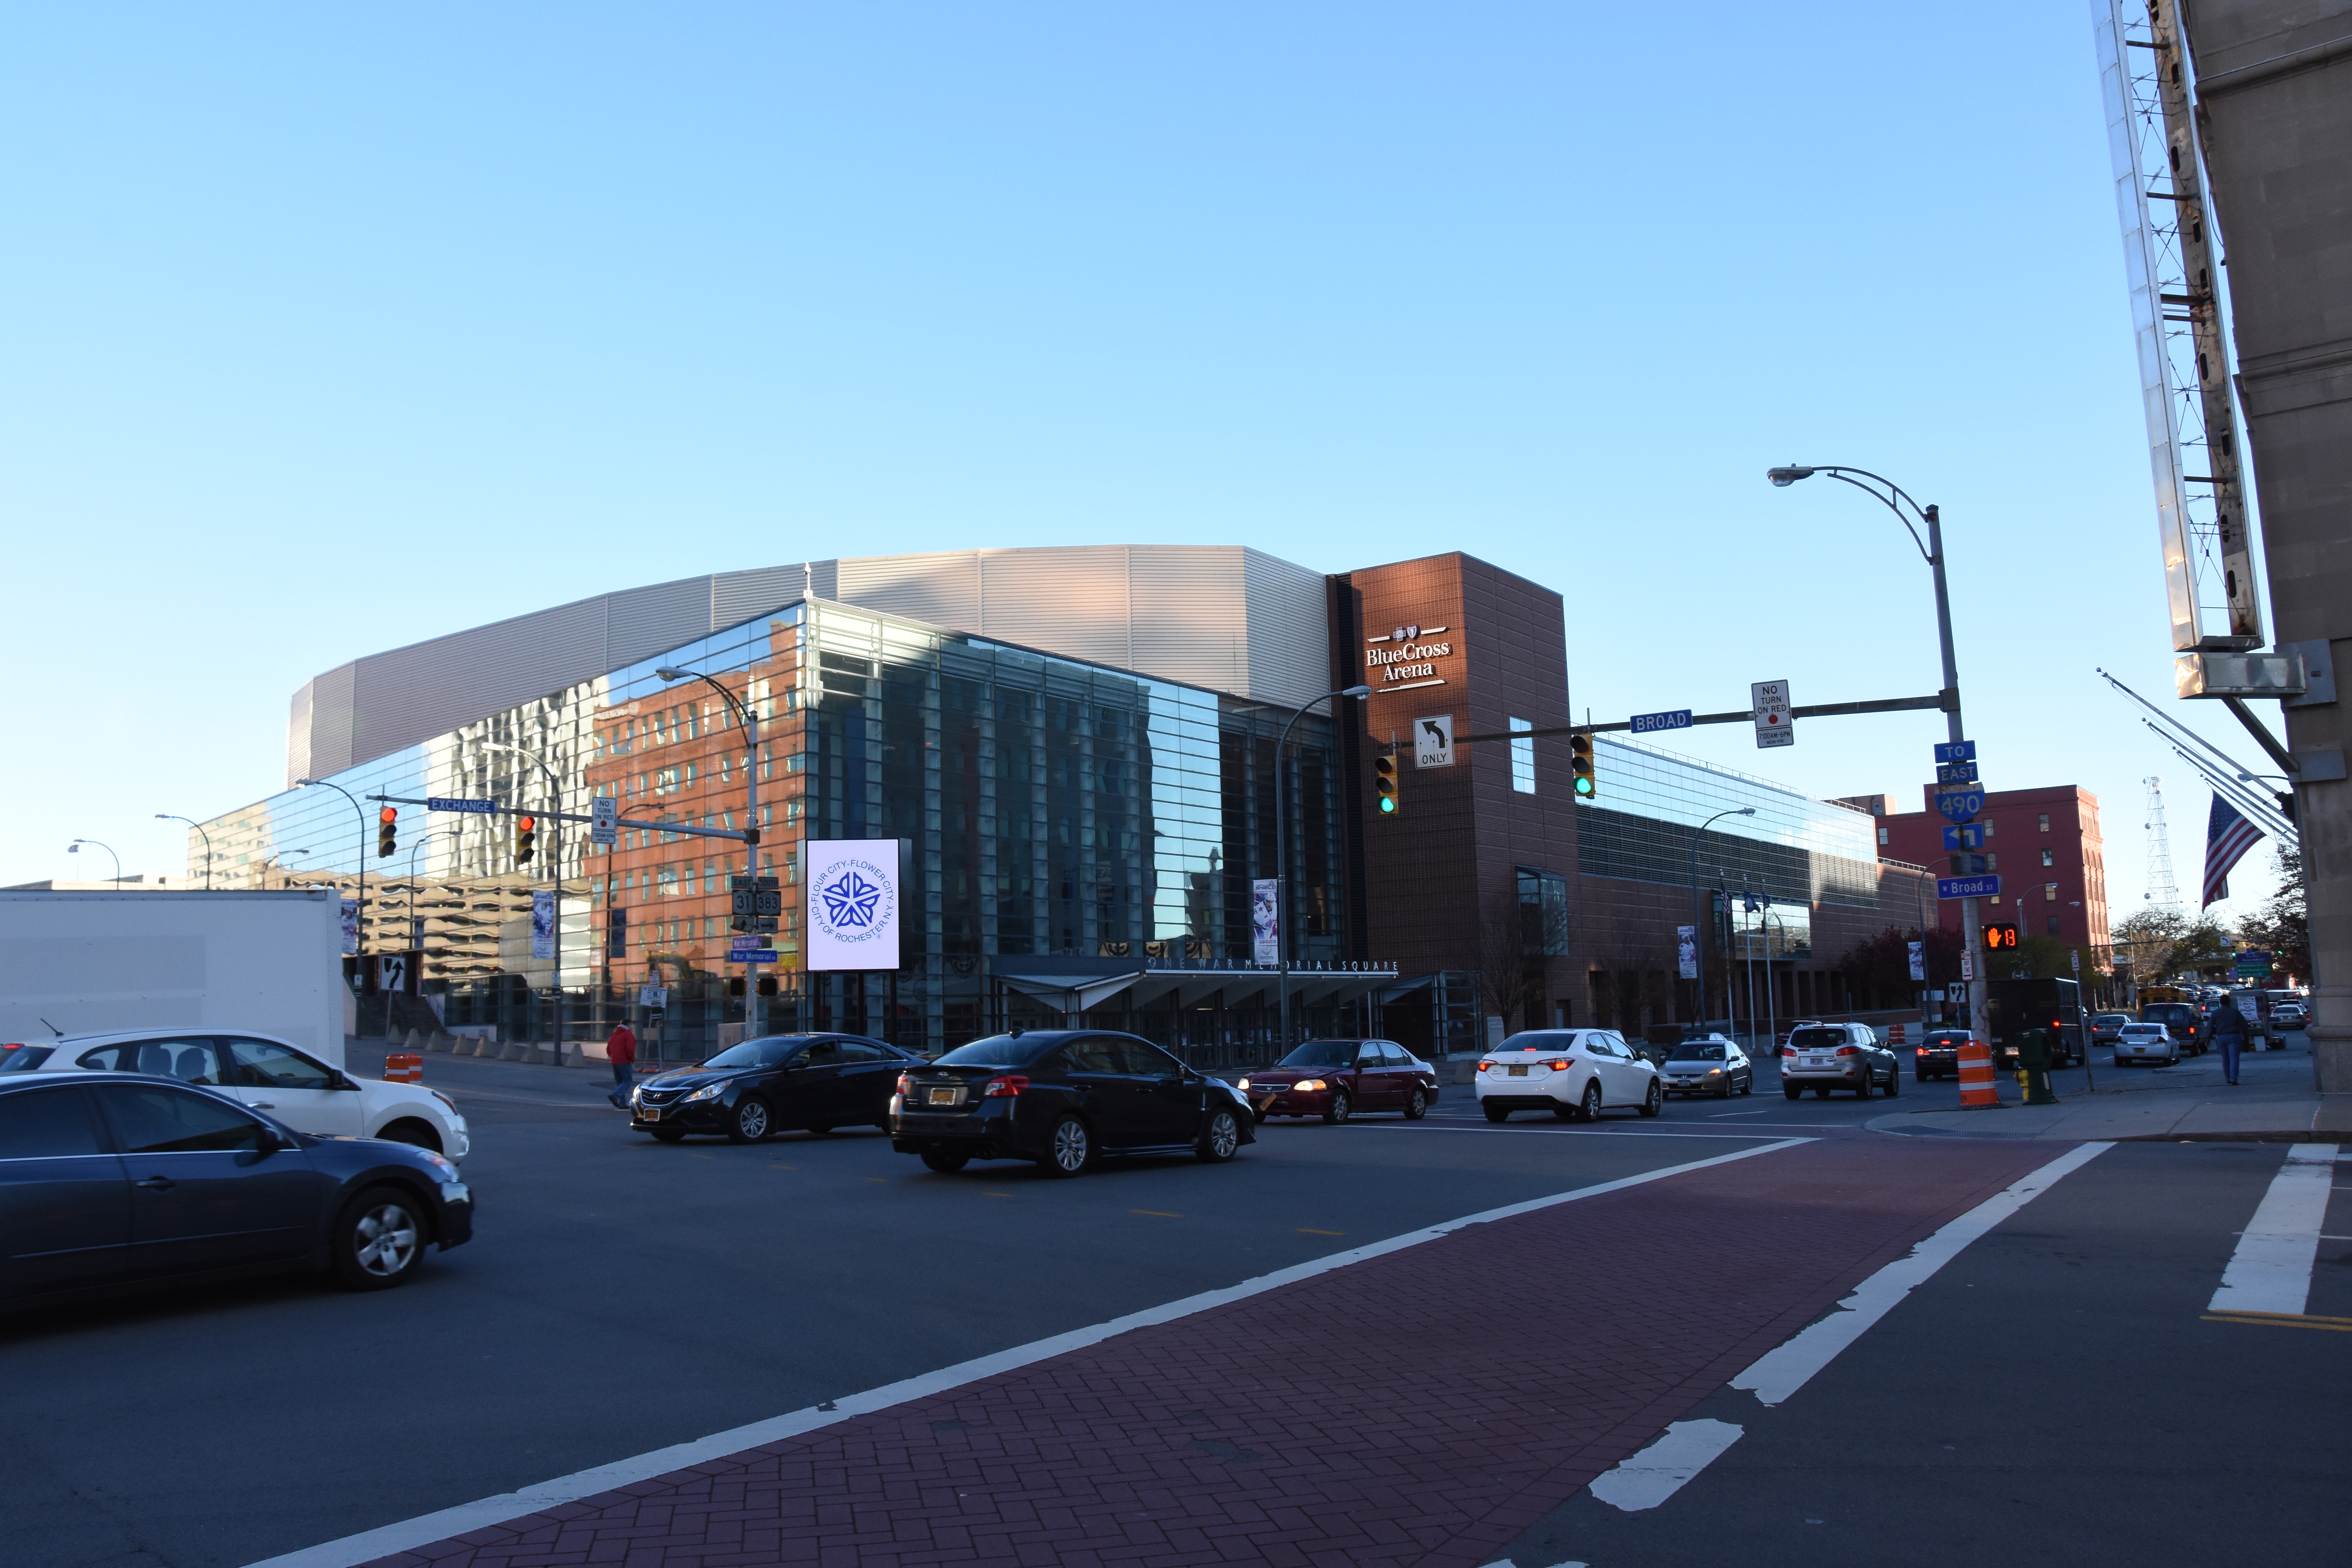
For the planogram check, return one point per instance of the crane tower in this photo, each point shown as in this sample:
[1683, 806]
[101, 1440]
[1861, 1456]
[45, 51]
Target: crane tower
[2163, 893]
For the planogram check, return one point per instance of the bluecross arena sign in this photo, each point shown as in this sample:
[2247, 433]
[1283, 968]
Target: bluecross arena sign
[1407, 660]
[852, 903]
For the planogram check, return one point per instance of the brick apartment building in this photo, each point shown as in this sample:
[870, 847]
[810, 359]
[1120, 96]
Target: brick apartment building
[2044, 845]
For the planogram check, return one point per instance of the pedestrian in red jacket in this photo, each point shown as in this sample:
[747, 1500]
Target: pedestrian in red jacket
[621, 1051]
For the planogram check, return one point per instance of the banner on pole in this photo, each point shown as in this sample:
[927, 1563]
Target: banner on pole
[542, 925]
[1265, 921]
[351, 926]
[1687, 949]
[852, 903]
[1918, 960]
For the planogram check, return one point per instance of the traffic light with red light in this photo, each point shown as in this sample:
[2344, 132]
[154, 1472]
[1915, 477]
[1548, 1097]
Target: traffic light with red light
[1384, 783]
[386, 822]
[1580, 767]
[526, 836]
[2000, 934]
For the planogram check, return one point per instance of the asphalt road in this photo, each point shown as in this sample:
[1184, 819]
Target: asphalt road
[622, 1295]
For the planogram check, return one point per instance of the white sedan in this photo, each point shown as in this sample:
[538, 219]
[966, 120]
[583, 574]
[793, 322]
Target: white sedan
[267, 1073]
[1575, 1074]
[2145, 1042]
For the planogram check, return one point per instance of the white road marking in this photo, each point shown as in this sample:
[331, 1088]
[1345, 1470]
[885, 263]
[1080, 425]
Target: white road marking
[1645, 1479]
[410, 1533]
[2270, 1271]
[1627, 1130]
[1779, 1373]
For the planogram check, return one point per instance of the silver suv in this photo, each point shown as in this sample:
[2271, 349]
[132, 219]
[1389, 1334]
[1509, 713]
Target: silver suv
[1823, 1057]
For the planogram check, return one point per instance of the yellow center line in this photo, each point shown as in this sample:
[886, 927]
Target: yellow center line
[989, 1194]
[877, 1178]
[691, 1155]
[1157, 1214]
[1303, 1230]
[2281, 1321]
[776, 1167]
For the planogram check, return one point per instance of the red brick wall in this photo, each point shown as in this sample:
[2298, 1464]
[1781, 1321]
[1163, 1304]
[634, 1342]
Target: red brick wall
[2074, 842]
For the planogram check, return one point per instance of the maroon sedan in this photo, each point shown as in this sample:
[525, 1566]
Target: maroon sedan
[1335, 1078]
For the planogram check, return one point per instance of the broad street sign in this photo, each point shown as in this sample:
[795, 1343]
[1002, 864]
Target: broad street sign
[446, 803]
[1968, 887]
[1768, 701]
[1955, 751]
[1432, 742]
[1971, 836]
[1961, 804]
[604, 819]
[1649, 723]
[1956, 773]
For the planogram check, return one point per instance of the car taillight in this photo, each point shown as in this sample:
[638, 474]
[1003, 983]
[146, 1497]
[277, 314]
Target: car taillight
[1559, 1064]
[906, 1084]
[1486, 1067]
[1009, 1087]
[1788, 1050]
[1849, 1050]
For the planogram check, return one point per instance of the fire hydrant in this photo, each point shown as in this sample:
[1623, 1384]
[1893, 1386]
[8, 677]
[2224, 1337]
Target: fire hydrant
[2033, 1055]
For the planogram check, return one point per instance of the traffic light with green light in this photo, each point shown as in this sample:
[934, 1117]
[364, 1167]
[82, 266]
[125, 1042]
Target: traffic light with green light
[1580, 766]
[1384, 783]
[385, 821]
[526, 836]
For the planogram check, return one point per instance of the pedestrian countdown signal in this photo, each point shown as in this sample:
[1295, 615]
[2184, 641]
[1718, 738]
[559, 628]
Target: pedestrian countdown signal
[2000, 934]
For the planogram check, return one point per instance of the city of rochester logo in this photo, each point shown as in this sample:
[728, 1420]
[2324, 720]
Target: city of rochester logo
[1407, 657]
[854, 902]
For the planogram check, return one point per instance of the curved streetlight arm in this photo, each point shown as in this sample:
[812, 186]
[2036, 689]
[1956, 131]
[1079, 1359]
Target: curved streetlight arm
[75, 848]
[167, 817]
[1696, 923]
[1282, 851]
[1889, 493]
[359, 904]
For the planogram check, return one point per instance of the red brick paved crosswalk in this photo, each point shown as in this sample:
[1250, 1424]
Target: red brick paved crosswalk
[1420, 1408]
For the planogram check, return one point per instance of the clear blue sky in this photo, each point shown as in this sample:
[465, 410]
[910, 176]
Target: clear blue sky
[329, 331]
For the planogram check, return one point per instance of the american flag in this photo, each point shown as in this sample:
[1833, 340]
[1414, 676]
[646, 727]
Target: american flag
[2228, 837]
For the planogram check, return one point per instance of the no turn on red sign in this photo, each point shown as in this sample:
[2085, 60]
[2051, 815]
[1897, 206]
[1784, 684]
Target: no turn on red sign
[1768, 701]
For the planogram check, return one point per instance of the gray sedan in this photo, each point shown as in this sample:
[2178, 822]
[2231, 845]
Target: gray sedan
[1707, 1064]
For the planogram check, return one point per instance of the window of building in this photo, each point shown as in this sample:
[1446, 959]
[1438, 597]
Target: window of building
[1882, 839]
[1992, 862]
[1523, 759]
[2048, 892]
[2053, 925]
[2050, 856]
[2046, 822]
[1543, 913]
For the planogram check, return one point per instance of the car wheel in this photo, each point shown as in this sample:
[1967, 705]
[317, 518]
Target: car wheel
[1791, 1090]
[379, 1240]
[1748, 1084]
[1497, 1112]
[1222, 1138]
[749, 1123]
[1070, 1149]
[1416, 1105]
[1725, 1092]
[1343, 1105]
[945, 1164]
[1894, 1083]
[1918, 1075]
[667, 1134]
[409, 1129]
[1654, 1102]
[1590, 1110]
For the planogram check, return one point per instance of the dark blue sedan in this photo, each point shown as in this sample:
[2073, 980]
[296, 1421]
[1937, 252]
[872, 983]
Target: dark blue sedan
[122, 1182]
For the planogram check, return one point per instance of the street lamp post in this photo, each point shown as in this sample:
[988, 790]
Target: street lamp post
[1895, 500]
[358, 903]
[167, 817]
[746, 715]
[1282, 855]
[75, 848]
[1696, 946]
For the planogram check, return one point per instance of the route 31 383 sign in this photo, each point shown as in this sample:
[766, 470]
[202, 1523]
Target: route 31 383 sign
[852, 903]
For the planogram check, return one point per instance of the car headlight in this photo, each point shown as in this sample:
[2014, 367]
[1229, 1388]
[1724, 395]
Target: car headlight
[1245, 1086]
[448, 1172]
[709, 1091]
[1309, 1086]
[1715, 1073]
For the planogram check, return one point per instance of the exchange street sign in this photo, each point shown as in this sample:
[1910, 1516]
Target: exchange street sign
[1956, 773]
[1768, 701]
[1971, 837]
[1968, 887]
[1649, 723]
[604, 819]
[446, 803]
[1961, 805]
[1955, 751]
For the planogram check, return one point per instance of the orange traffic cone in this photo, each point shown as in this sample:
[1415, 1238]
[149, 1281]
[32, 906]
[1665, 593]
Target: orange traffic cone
[1976, 1076]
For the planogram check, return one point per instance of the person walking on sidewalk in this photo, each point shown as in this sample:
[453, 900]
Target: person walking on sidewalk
[2230, 1034]
[621, 1051]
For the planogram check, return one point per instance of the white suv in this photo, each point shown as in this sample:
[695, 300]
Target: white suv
[1575, 1074]
[267, 1073]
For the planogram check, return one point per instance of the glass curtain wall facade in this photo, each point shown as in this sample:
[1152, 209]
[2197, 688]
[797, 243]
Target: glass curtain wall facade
[1049, 806]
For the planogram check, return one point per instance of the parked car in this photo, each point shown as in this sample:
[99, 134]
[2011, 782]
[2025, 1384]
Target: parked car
[2107, 1027]
[2149, 1043]
[123, 1181]
[1938, 1055]
[1335, 1078]
[1707, 1064]
[2190, 1023]
[1063, 1098]
[753, 1091]
[1837, 1055]
[1575, 1074]
[265, 1074]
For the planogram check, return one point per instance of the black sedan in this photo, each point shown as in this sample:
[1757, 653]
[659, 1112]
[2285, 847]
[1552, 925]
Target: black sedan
[126, 1182]
[771, 1085]
[1063, 1097]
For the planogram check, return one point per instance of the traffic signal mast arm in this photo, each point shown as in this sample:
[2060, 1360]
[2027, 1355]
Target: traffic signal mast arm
[740, 835]
[1818, 711]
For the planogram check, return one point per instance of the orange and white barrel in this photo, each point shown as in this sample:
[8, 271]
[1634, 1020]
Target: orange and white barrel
[1894, 1035]
[1976, 1075]
[404, 1067]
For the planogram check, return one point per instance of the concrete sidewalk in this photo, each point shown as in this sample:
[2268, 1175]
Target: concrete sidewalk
[2274, 1099]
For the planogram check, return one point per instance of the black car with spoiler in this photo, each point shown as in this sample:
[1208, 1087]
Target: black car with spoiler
[1063, 1097]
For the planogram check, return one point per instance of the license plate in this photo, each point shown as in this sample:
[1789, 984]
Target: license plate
[649, 1112]
[945, 1096]
[1518, 1072]
[1820, 1061]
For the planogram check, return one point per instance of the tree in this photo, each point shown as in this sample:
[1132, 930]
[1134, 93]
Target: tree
[1504, 980]
[1880, 967]
[2146, 942]
[2282, 927]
